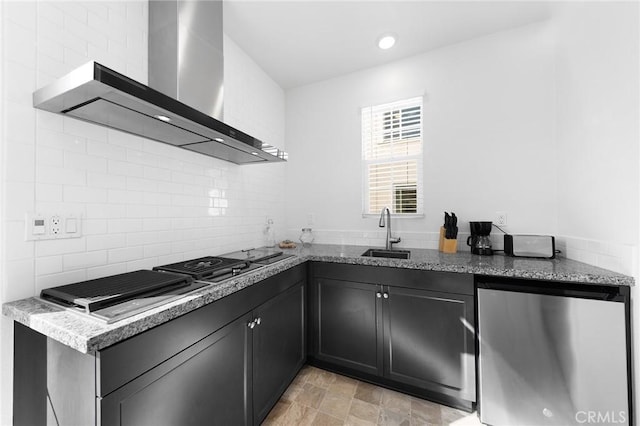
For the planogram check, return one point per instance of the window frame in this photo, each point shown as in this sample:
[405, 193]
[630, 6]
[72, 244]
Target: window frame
[418, 158]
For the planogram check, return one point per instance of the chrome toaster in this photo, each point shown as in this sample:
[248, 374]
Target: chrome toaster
[539, 246]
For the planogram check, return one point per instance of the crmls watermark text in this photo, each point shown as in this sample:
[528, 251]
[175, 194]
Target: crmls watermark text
[600, 417]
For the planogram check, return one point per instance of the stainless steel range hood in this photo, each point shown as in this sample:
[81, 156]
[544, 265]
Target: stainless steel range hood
[100, 95]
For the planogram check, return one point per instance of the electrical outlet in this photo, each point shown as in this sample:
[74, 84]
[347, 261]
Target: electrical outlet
[55, 228]
[501, 218]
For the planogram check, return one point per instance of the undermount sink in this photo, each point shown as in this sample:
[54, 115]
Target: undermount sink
[396, 254]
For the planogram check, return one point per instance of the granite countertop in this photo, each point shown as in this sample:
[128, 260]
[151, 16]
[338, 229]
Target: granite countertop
[89, 335]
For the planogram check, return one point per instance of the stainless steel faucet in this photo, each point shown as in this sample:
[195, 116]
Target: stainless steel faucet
[390, 240]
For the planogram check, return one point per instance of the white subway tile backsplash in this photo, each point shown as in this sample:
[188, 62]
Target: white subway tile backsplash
[124, 140]
[22, 200]
[98, 9]
[125, 225]
[48, 265]
[23, 83]
[107, 270]
[141, 238]
[81, 30]
[59, 140]
[142, 264]
[46, 156]
[21, 274]
[48, 174]
[73, 59]
[106, 211]
[84, 260]
[84, 194]
[607, 255]
[157, 174]
[141, 211]
[21, 13]
[85, 129]
[124, 168]
[75, 10]
[142, 158]
[106, 150]
[20, 120]
[50, 48]
[58, 247]
[141, 184]
[105, 241]
[74, 160]
[155, 250]
[135, 11]
[23, 168]
[125, 254]
[102, 56]
[48, 192]
[22, 49]
[14, 239]
[94, 226]
[104, 180]
[48, 10]
[156, 199]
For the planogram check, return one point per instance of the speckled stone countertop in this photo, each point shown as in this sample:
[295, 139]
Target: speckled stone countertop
[89, 335]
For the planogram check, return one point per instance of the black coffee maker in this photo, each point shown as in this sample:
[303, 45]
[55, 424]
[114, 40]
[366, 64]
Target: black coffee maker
[479, 240]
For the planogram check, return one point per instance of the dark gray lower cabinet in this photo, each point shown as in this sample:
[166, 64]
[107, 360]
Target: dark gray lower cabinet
[429, 340]
[408, 329]
[347, 324]
[204, 384]
[278, 348]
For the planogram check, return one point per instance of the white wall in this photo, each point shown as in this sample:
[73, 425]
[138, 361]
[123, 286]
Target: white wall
[597, 134]
[488, 137]
[144, 203]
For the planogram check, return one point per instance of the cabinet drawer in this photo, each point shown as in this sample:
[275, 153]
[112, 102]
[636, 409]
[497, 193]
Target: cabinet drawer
[447, 282]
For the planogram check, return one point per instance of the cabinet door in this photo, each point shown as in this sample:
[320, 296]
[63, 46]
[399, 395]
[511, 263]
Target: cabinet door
[278, 348]
[429, 340]
[347, 324]
[204, 384]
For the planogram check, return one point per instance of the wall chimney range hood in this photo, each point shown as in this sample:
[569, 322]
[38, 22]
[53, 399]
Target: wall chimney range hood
[97, 94]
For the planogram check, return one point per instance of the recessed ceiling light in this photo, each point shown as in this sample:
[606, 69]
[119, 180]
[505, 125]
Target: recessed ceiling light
[218, 139]
[254, 153]
[162, 118]
[386, 41]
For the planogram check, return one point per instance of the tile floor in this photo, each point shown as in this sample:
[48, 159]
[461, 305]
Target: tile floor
[318, 397]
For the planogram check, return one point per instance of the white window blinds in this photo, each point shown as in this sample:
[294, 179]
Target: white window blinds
[392, 157]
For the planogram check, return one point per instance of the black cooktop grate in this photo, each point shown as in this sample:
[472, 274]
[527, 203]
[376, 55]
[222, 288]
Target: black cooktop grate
[203, 267]
[98, 293]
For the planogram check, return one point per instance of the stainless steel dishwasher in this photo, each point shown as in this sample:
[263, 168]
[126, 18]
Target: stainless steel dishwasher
[553, 356]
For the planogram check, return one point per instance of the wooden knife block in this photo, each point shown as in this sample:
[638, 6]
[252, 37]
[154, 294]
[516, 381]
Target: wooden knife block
[446, 245]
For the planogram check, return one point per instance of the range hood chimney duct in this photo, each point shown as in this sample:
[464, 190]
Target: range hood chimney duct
[186, 53]
[182, 106]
